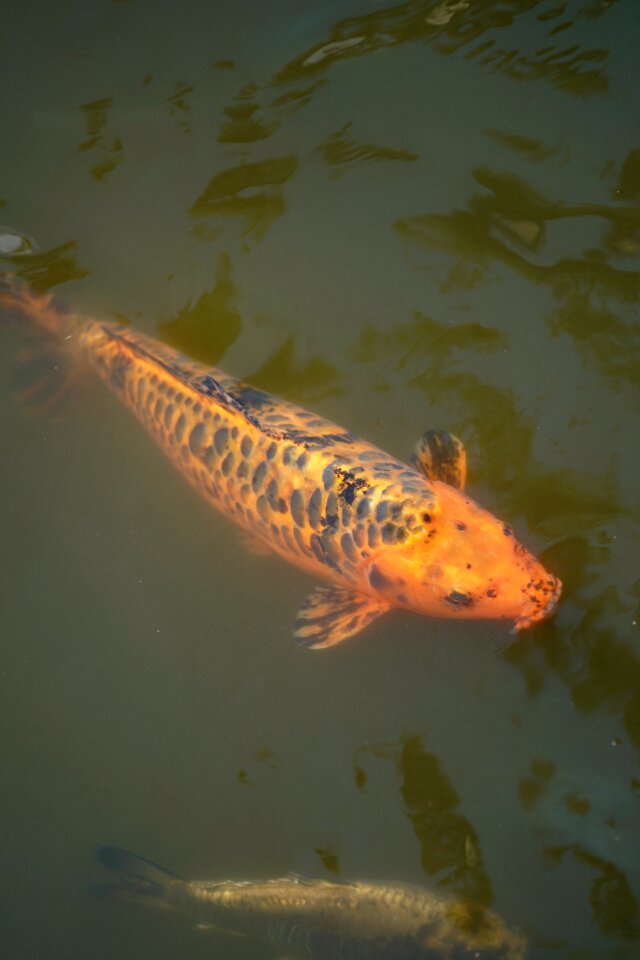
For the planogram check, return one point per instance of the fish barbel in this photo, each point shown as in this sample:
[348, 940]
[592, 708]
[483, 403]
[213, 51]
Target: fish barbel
[382, 533]
[322, 919]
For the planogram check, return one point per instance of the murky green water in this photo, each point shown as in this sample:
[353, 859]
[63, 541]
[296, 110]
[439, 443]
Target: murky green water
[410, 216]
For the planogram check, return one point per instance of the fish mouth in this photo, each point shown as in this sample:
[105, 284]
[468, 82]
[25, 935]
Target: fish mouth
[541, 604]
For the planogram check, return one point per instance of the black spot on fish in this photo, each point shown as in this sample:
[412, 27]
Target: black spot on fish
[492, 592]
[350, 485]
[271, 451]
[519, 550]
[258, 476]
[220, 439]
[197, 439]
[459, 599]
[426, 518]
[262, 507]
[227, 465]
[402, 598]
[460, 525]
[243, 470]
[297, 507]
[506, 529]
[246, 446]
[168, 414]
[373, 535]
[299, 539]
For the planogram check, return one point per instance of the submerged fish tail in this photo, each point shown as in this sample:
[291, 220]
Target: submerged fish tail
[41, 310]
[140, 880]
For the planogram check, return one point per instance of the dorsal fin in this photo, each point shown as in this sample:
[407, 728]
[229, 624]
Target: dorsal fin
[210, 387]
[241, 399]
[441, 456]
[206, 384]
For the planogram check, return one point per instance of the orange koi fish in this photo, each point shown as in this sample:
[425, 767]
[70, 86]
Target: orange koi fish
[382, 534]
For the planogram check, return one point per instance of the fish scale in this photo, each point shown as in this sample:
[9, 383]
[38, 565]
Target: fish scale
[281, 490]
[382, 533]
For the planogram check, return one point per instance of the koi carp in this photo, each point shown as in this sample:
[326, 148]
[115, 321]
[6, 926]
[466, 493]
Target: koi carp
[319, 918]
[381, 533]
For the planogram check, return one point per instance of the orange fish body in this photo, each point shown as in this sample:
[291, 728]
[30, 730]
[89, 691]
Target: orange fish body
[382, 533]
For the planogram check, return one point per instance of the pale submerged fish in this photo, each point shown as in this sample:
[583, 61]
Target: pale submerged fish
[321, 919]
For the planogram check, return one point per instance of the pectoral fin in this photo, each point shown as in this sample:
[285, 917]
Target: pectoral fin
[441, 456]
[331, 614]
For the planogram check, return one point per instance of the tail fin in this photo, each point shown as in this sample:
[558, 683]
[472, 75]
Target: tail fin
[46, 373]
[43, 310]
[140, 879]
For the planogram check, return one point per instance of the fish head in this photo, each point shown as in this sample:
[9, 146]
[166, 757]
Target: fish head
[461, 561]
